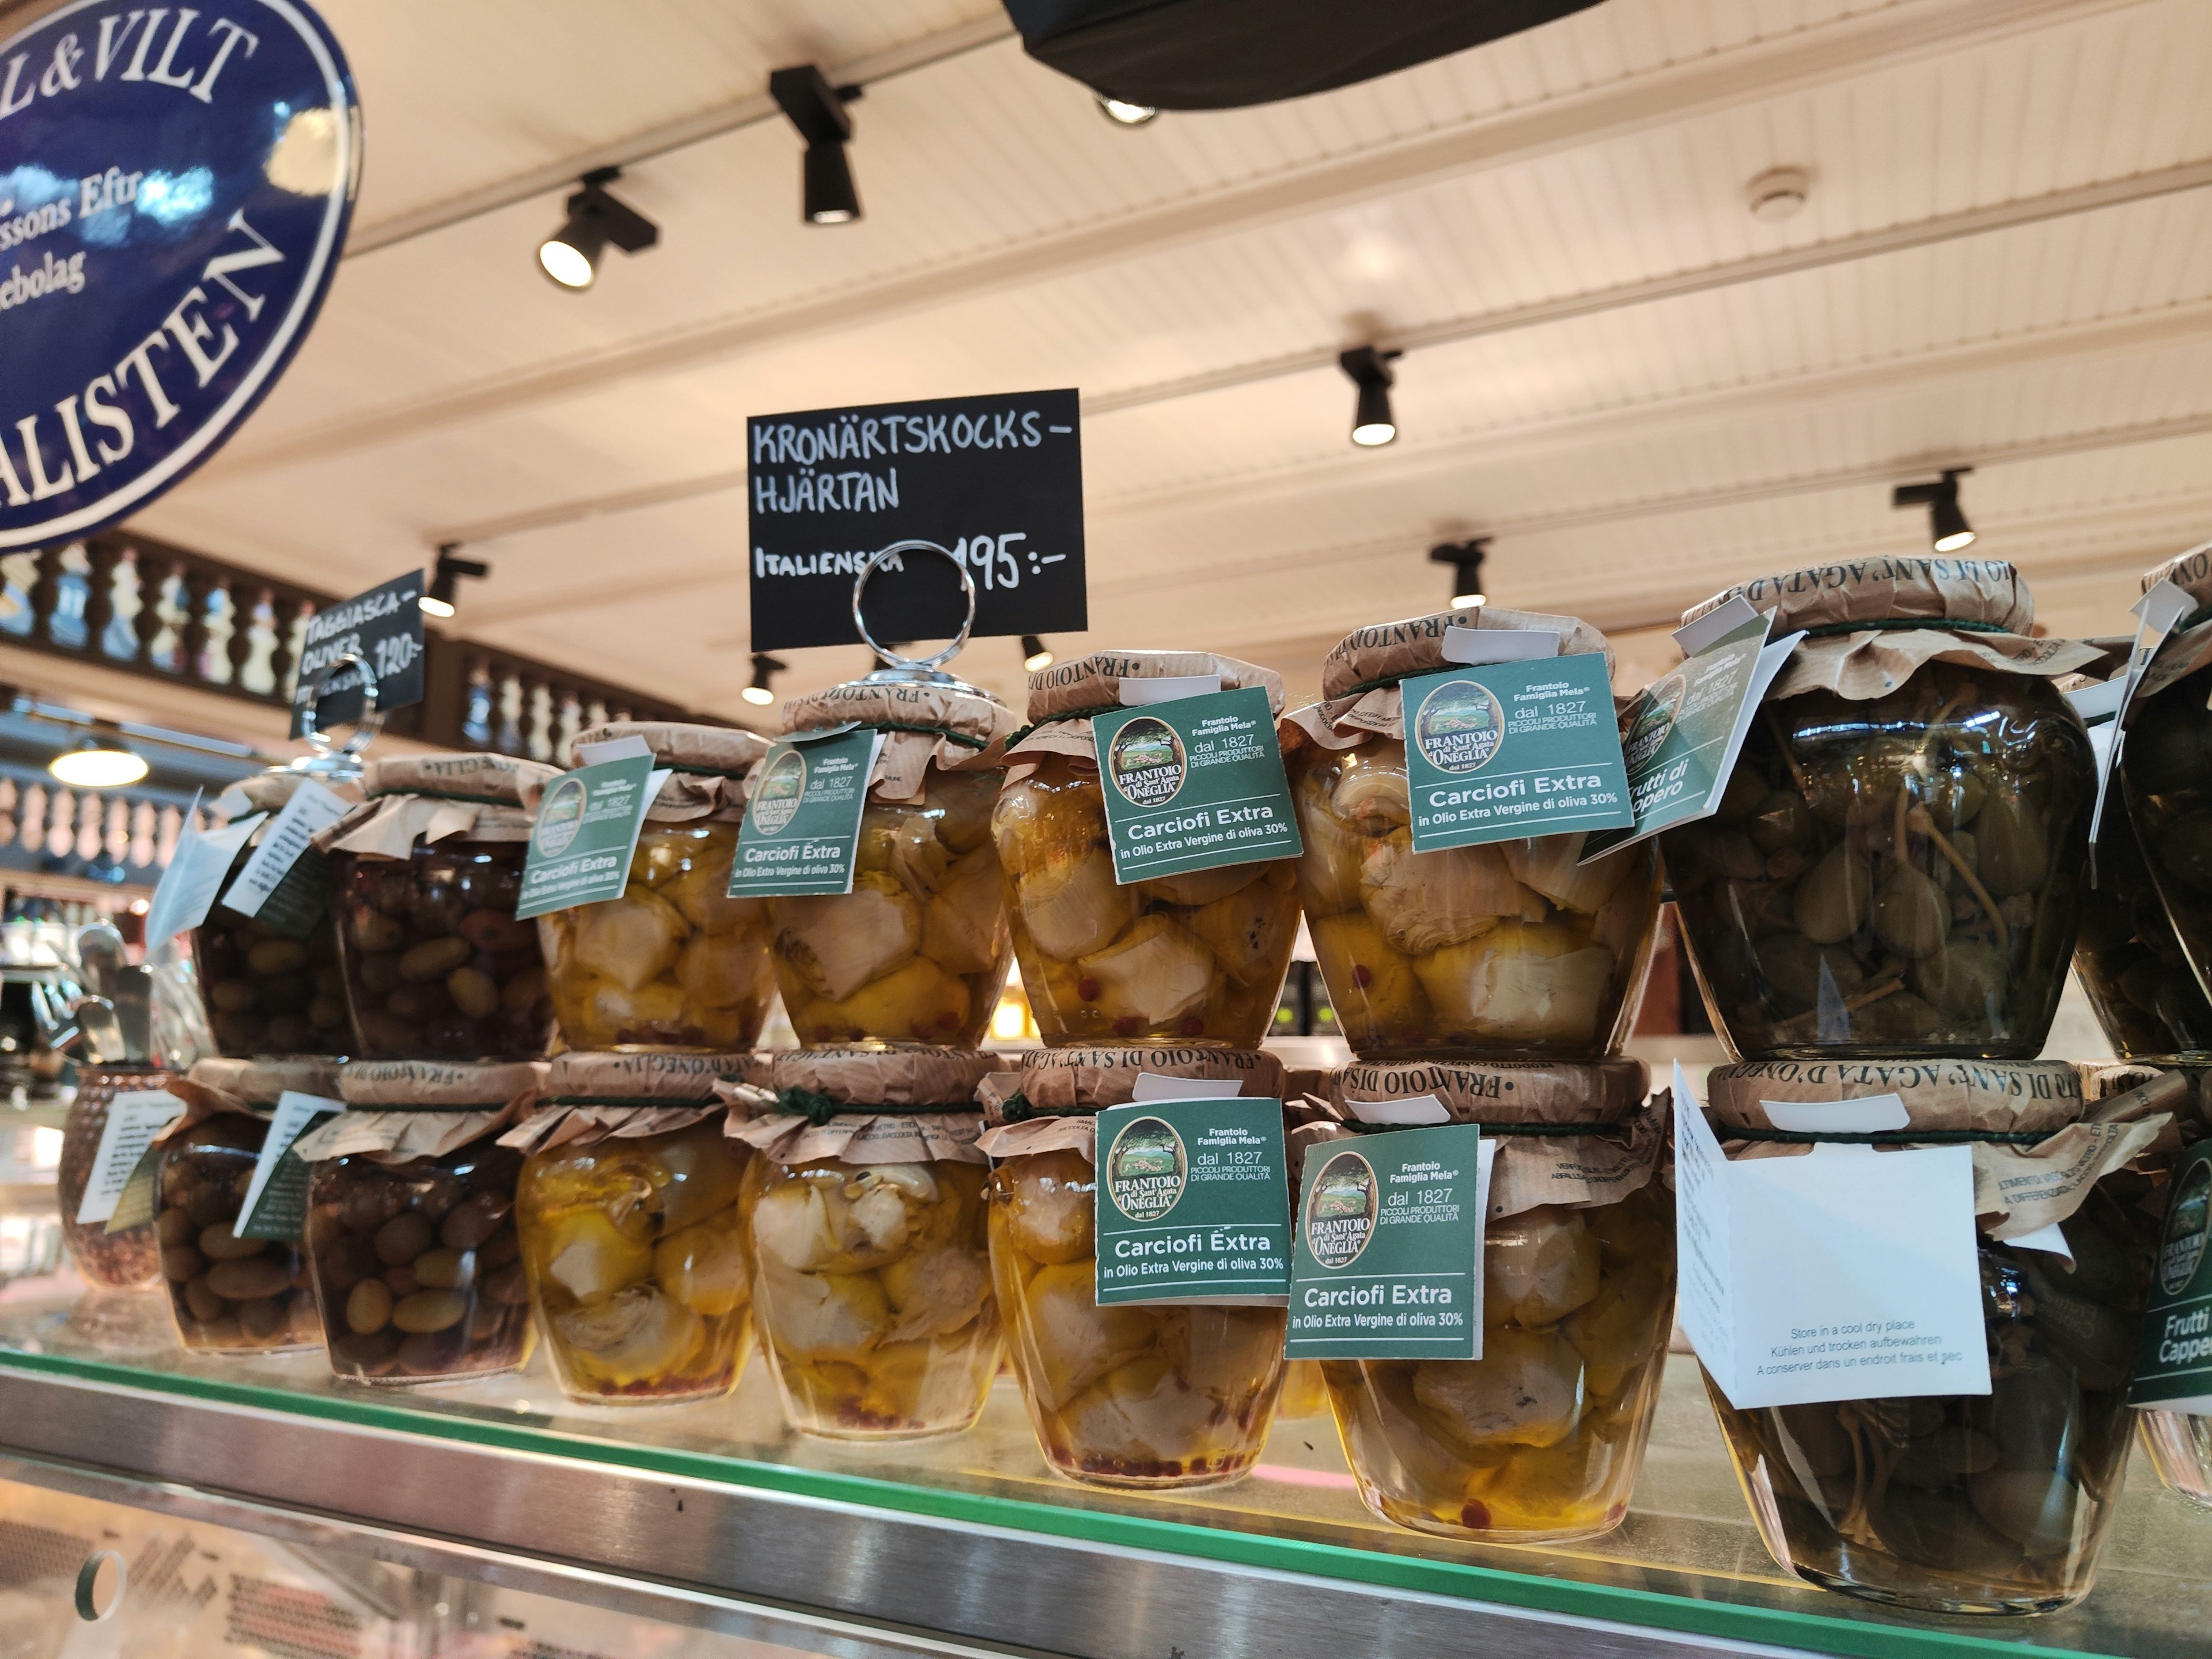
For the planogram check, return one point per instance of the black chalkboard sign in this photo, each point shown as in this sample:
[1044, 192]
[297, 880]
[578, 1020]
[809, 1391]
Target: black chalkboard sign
[383, 628]
[997, 480]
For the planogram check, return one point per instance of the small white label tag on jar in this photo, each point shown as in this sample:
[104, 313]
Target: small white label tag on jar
[1413, 1109]
[188, 886]
[276, 1202]
[1868, 1115]
[312, 808]
[134, 1118]
[1155, 1085]
[1473, 646]
[1139, 694]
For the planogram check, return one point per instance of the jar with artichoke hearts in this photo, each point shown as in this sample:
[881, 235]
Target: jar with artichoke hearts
[1198, 957]
[231, 1295]
[1542, 1436]
[1509, 949]
[917, 951]
[425, 876]
[674, 962]
[864, 1208]
[1898, 864]
[631, 1232]
[1992, 1503]
[1181, 1394]
[411, 1236]
[270, 990]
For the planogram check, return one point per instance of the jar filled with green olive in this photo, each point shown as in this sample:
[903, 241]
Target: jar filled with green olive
[1898, 864]
[426, 874]
[1509, 948]
[1196, 958]
[411, 1236]
[673, 963]
[632, 1237]
[271, 981]
[916, 952]
[1983, 1503]
[231, 1295]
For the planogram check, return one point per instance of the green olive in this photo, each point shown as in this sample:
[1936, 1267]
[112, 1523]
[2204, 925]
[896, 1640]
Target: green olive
[1911, 915]
[1902, 1017]
[1746, 789]
[1951, 797]
[2186, 844]
[1968, 979]
[2014, 852]
[1782, 821]
[1831, 902]
[2166, 752]
[1795, 966]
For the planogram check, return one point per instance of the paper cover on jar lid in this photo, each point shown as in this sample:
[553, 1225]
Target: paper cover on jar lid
[430, 797]
[1063, 696]
[591, 1096]
[706, 767]
[870, 1106]
[1058, 1092]
[251, 1085]
[401, 1109]
[952, 728]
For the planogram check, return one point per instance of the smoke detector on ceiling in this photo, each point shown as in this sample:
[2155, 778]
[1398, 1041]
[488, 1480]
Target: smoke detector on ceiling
[1777, 194]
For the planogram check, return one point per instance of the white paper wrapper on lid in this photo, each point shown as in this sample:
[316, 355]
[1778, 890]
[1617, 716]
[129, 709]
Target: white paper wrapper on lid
[594, 1097]
[398, 1110]
[434, 797]
[270, 791]
[923, 726]
[864, 1106]
[1061, 1091]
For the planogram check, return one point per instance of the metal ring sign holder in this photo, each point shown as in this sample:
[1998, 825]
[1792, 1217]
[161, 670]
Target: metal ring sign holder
[338, 761]
[915, 671]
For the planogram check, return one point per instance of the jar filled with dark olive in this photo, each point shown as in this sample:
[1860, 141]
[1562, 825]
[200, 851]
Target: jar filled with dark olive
[231, 1295]
[426, 874]
[1996, 1502]
[2131, 963]
[411, 1235]
[1898, 864]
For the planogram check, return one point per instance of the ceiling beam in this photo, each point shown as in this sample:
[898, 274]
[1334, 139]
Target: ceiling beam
[1822, 55]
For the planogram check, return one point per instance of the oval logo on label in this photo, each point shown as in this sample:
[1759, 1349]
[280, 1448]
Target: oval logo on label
[1146, 763]
[175, 185]
[560, 817]
[776, 797]
[2188, 1220]
[1461, 727]
[1340, 1210]
[1655, 720]
[1146, 1171]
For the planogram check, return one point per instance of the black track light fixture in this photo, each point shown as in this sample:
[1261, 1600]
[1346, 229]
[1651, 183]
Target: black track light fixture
[570, 256]
[1465, 560]
[765, 668]
[1036, 653]
[817, 109]
[446, 579]
[1948, 529]
[1372, 423]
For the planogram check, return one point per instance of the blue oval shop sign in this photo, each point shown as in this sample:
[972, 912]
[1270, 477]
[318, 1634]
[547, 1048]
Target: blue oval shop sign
[175, 182]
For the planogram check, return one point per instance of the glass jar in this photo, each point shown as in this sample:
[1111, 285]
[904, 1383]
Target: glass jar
[1191, 959]
[117, 1259]
[2132, 966]
[635, 1252]
[231, 1295]
[2166, 772]
[1305, 1391]
[1896, 875]
[674, 963]
[418, 1260]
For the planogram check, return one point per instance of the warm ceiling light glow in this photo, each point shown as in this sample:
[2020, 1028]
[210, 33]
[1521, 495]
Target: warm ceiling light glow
[566, 264]
[759, 694]
[1122, 114]
[1036, 653]
[436, 607]
[570, 256]
[1465, 560]
[98, 763]
[1468, 601]
[765, 668]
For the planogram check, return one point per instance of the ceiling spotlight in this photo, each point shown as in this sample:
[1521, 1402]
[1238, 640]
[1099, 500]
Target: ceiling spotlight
[817, 109]
[99, 762]
[1948, 529]
[765, 668]
[1123, 113]
[1465, 560]
[446, 579]
[570, 256]
[1372, 423]
[1777, 194]
[1036, 653]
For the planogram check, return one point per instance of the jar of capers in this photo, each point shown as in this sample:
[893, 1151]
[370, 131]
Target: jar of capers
[1899, 861]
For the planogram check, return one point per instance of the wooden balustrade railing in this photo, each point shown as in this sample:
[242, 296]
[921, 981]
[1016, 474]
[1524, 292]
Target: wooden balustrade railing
[144, 607]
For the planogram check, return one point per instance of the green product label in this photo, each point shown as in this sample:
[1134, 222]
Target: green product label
[1194, 1202]
[1389, 1264]
[1513, 749]
[802, 827]
[1195, 784]
[134, 1206]
[2173, 1371]
[276, 1202]
[586, 829]
[301, 899]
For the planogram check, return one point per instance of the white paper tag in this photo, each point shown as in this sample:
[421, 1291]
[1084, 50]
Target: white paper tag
[2156, 612]
[1476, 645]
[1485, 1160]
[2100, 702]
[630, 746]
[1152, 1086]
[1139, 694]
[1847, 1274]
[295, 1112]
[1413, 1109]
[187, 889]
[1694, 637]
[312, 808]
[2049, 1240]
[134, 1118]
[1868, 1115]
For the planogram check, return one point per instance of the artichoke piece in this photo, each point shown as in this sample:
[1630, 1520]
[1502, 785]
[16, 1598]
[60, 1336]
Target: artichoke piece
[694, 1176]
[1619, 1330]
[963, 802]
[1522, 982]
[1328, 870]
[1076, 1340]
[1422, 901]
[700, 891]
[635, 1016]
[1370, 790]
[1200, 886]
[1547, 864]
[1052, 1210]
[918, 1003]
[820, 1315]
[935, 1291]
[1525, 1390]
[722, 970]
[839, 942]
[791, 1225]
[1831, 903]
[1250, 932]
[707, 1269]
[1538, 1266]
[961, 930]
[1155, 973]
[1141, 1411]
[592, 1258]
[1035, 826]
[1071, 905]
[918, 858]
[631, 940]
[1364, 973]
[638, 1335]
[1225, 1353]
[1912, 915]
